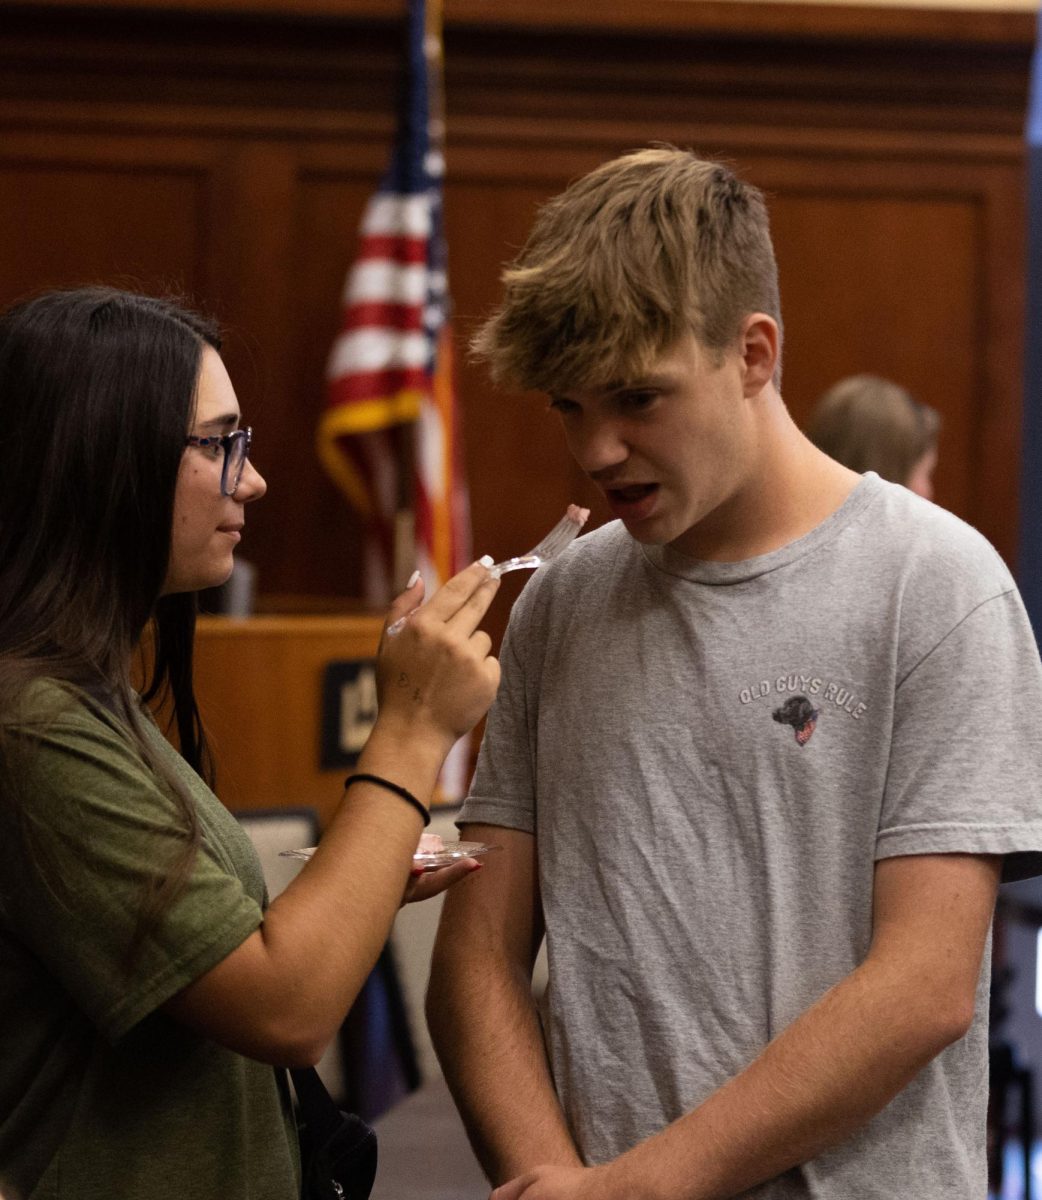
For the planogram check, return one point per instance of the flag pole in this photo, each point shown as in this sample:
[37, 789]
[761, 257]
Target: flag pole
[405, 541]
[405, 511]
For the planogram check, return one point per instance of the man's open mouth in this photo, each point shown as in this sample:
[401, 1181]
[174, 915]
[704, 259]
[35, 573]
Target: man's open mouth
[632, 493]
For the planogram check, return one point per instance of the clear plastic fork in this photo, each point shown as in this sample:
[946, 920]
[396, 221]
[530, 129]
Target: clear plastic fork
[562, 535]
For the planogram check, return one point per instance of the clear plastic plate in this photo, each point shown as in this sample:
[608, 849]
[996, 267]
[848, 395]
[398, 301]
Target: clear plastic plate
[429, 860]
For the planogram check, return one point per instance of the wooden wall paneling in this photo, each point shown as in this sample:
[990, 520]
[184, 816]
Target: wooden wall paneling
[252, 288]
[898, 277]
[102, 208]
[271, 128]
[187, 69]
[897, 299]
[807, 87]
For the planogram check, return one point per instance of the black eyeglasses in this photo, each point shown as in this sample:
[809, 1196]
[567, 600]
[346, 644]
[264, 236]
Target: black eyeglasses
[236, 449]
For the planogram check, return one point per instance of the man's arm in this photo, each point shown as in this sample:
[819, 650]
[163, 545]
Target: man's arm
[483, 1019]
[837, 1065]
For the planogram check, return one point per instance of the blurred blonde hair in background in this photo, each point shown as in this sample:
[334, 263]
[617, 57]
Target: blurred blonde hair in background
[872, 424]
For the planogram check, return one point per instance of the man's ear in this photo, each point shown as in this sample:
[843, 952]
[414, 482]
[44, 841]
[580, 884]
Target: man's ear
[760, 346]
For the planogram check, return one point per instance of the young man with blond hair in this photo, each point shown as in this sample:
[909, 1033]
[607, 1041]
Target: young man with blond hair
[764, 748]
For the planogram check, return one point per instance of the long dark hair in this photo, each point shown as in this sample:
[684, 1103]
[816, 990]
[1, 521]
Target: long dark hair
[97, 393]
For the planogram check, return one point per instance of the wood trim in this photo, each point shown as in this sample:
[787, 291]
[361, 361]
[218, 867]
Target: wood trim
[181, 74]
[855, 21]
[360, 632]
[478, 147]
[858, 22]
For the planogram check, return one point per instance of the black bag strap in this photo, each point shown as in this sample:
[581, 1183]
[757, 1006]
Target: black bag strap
[338, 1150]
[317, 1107]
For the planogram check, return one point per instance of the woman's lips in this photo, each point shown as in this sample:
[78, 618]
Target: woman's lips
[634, 502]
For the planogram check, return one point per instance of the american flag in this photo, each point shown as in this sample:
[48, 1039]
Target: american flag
[390, 435]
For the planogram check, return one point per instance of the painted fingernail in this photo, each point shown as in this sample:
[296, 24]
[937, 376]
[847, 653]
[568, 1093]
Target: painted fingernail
[476, 866]
[486, 560]
[414, 579]
[415, 872]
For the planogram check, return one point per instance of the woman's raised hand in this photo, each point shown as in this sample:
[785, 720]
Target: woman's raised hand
[436, 676]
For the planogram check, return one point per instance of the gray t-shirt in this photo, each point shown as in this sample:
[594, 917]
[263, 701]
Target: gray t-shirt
[713, 756]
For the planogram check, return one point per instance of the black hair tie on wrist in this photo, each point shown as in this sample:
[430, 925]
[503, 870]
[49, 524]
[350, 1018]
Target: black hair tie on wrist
[398, 790]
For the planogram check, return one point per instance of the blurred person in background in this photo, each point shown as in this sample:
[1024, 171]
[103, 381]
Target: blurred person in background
[872, 424]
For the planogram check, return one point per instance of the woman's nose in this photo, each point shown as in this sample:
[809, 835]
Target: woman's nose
[252, 484]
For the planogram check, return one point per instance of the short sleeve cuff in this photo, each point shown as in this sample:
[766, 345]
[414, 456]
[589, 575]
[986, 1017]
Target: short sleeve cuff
[181, 972]
[1020, 846]
[484, 810]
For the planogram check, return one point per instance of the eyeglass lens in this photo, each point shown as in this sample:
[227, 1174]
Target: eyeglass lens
[234, 462]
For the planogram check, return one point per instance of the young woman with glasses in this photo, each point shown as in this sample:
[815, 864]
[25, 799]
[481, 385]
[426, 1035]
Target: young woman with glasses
[144, 994]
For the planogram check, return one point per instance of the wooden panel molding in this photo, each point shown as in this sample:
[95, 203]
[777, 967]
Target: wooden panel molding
[775, 18]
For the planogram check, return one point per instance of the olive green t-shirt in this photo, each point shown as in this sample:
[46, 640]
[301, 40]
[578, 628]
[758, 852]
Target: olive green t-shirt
[103, 1097]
